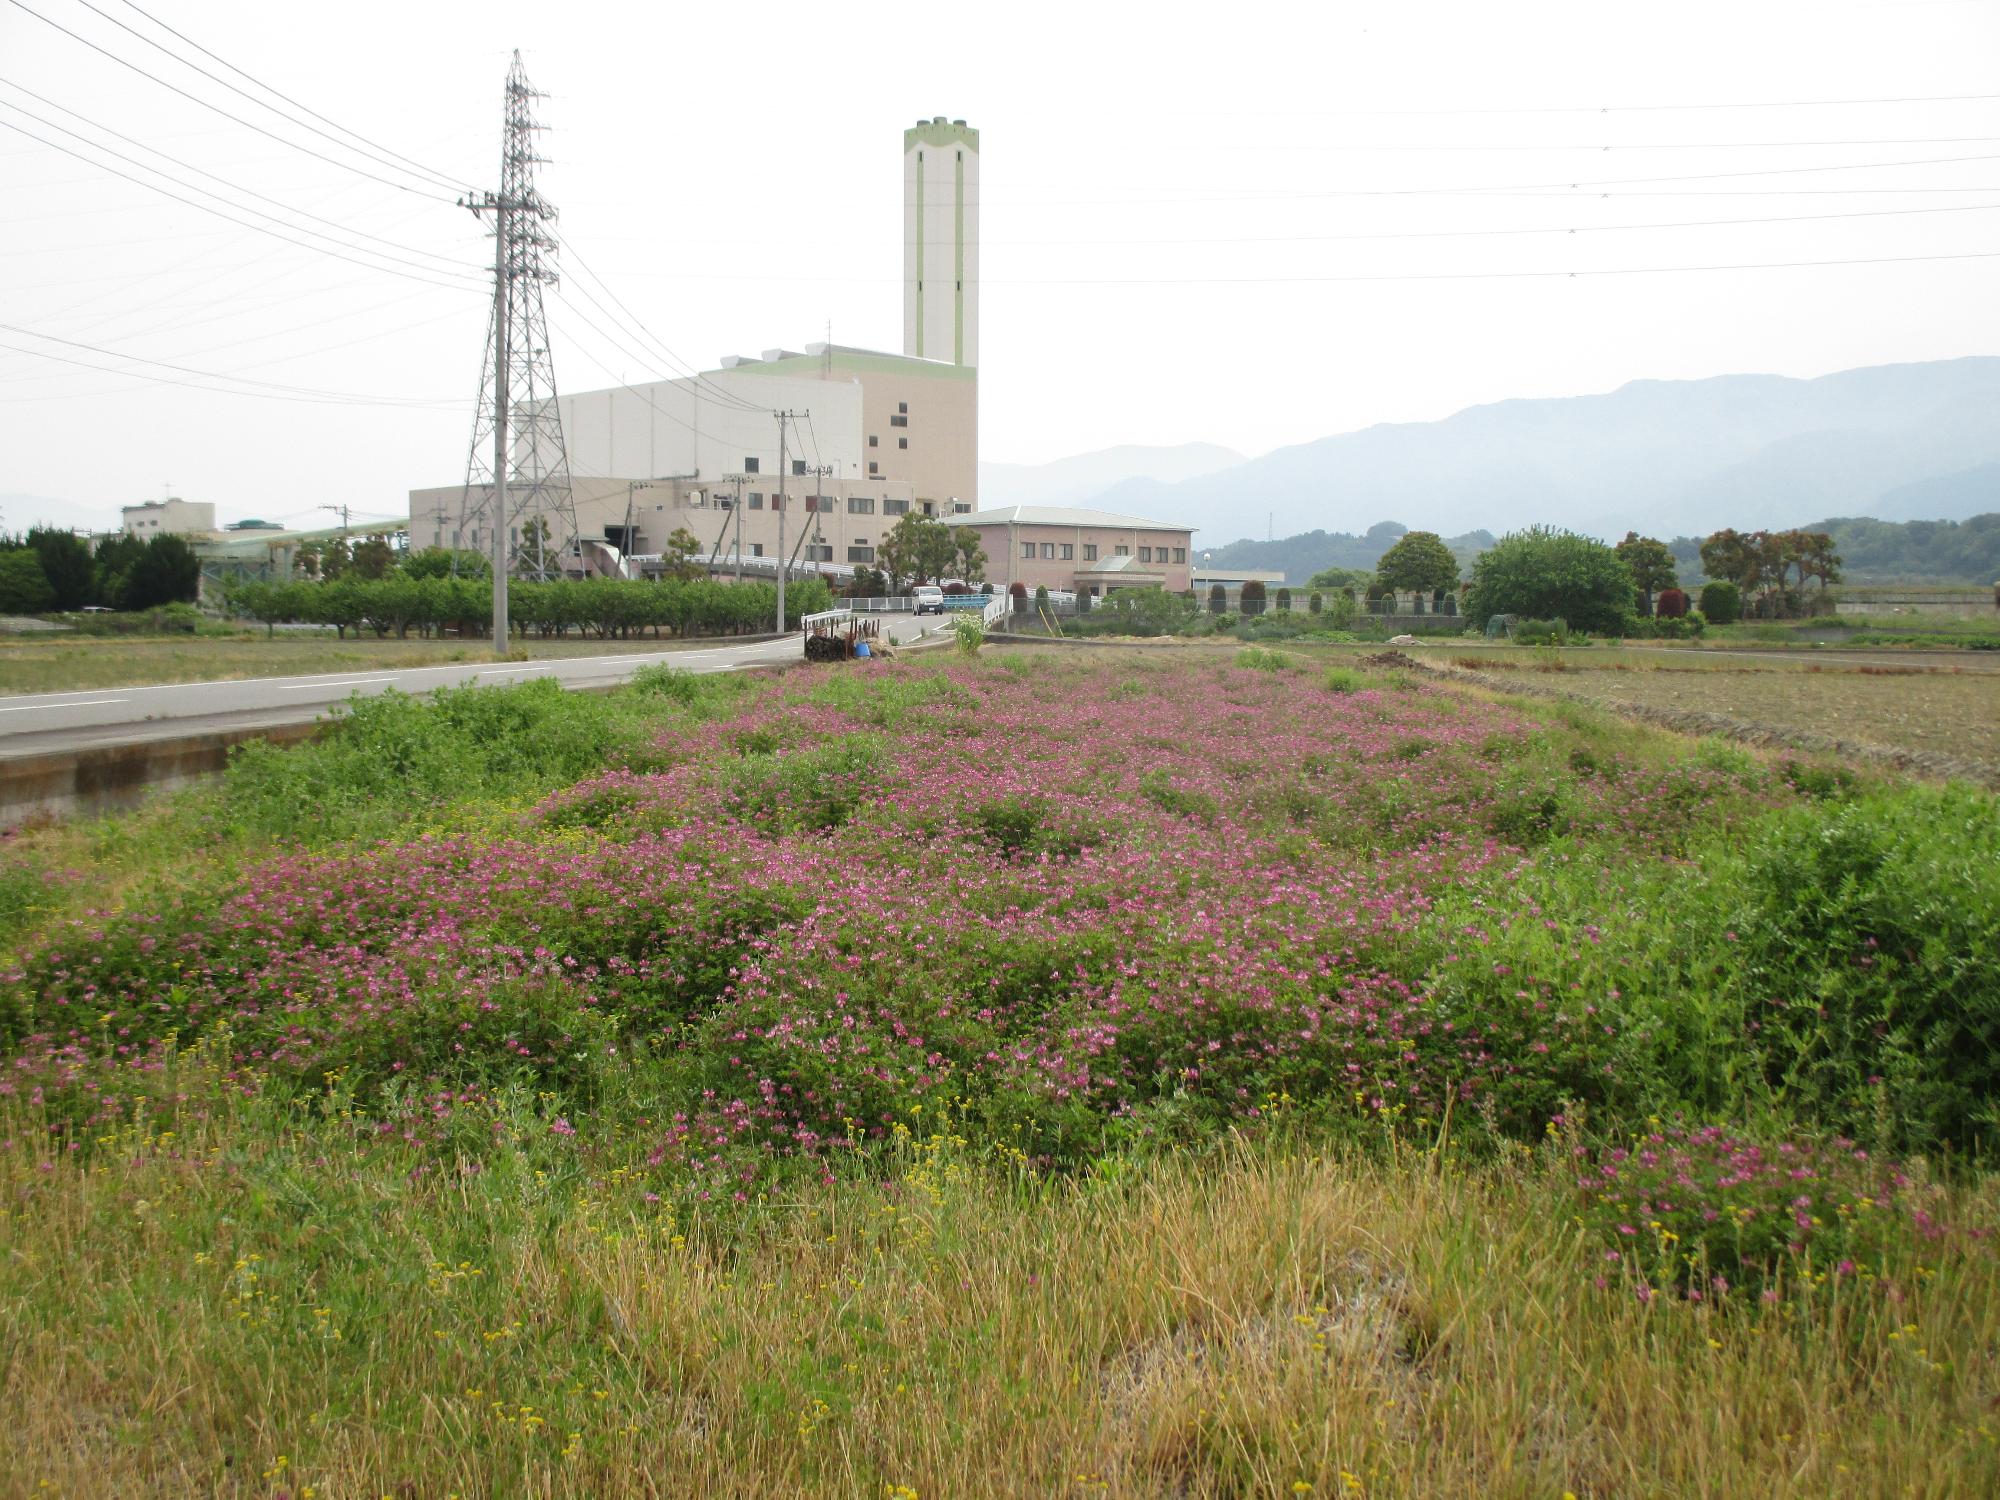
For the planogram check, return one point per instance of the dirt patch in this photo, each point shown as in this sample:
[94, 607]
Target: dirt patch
[1940, 725]
[1390, 659]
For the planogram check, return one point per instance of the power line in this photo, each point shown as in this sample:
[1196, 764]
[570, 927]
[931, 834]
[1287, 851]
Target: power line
[205, 208]
[346, 166]
[443, 178]
[697, 388]
[345, 315]
[674, 360]
[449, 261]
[270, 390]
[1625, 109]
[1433, 234]
[1605, 147]
[225, 374]
[1498, 189]
[1775, 265]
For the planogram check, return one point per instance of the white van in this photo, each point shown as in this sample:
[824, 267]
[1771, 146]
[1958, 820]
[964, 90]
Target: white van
[929, 599]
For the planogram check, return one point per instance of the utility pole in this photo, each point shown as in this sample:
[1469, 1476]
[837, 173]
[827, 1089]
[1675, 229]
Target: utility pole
[783, 465]
[736, 506]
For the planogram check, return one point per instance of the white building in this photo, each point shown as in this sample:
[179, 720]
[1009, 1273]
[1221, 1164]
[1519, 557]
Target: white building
[941, 241]
[170, 517]
[876, 435]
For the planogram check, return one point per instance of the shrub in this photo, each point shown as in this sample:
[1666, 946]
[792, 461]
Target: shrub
[1539, 633]
[1041, 596]
[1866, 940]
[1083, 601]
[1722, 603]
[1545, 573]
[1315, 602]
[1218, 598]
[1251, 601]
[968, 633]
[1284, 601]
[24, 587]
[1018, 592]
[1671, 605]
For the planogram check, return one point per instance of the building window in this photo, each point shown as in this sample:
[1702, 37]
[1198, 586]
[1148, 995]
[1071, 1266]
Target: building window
[819, 554]
[1145, 553]
[749, 464]
[756, 548]
[903, 408]
[1121, 551]
[873, 441]
[1089, 551]
[1180, 554]
[1027, 548]
[813, 502]
[1068, 551]
[960, 508]
[798, 468]
[902, 442]
[895, 507]
[756, 500]
[861, 554]
[857, 505]
[1049, 551]
[777, 502]
[899, 421]
[873, 467]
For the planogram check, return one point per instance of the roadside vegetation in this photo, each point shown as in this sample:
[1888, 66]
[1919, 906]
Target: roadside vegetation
[1011, 1073]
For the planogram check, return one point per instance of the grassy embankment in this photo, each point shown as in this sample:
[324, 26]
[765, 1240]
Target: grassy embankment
[1233, 1079]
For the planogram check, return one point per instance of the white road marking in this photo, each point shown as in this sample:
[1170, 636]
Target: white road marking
[308, 687]
[21, 708]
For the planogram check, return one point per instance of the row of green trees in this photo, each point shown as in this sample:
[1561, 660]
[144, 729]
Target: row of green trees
[430, 603]
[1548, 573]
[55, 571]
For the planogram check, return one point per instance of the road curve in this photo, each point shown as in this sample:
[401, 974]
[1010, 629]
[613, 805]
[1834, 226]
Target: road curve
[43, 723]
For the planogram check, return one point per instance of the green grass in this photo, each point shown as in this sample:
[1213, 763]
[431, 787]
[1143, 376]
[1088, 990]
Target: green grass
[45, 664]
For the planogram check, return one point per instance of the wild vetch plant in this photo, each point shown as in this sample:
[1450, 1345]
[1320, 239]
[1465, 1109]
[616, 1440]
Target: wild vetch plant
[728, 937]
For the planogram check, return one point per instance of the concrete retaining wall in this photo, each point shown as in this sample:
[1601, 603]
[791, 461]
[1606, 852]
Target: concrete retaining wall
[66, 783]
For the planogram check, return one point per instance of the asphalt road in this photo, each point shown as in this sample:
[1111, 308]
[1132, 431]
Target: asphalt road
[42, 723]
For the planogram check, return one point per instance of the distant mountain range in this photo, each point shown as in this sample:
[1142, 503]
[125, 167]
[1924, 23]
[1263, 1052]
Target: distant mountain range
[18, 512]
[1069, 481]
[1913, 441]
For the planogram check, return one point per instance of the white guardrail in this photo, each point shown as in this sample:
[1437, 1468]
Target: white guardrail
[996, 606]
[823, 617]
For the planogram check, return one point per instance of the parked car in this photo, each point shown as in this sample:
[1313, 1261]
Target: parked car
[929, 598]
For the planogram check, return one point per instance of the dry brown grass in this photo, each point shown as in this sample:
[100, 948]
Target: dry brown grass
[240, 1310]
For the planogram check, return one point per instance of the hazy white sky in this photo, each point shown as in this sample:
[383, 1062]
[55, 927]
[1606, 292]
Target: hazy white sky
[1247, 224]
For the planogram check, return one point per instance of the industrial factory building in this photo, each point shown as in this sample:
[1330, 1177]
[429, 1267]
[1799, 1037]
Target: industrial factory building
[877, 436]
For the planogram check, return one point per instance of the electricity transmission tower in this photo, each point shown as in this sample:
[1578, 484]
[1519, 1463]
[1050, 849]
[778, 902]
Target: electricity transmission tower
[517, 482]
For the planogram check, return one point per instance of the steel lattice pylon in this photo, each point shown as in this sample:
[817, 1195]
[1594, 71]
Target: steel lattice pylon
[541, 509]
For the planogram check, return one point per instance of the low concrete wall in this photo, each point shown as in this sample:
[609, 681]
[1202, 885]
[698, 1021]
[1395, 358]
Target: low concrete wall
[65, 783]
[1966, 603]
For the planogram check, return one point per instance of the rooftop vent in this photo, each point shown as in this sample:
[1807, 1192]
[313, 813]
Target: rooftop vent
[939, 120]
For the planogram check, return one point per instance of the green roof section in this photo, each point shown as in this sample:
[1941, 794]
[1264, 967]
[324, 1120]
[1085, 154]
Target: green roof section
[859, 362]
[941, 132]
